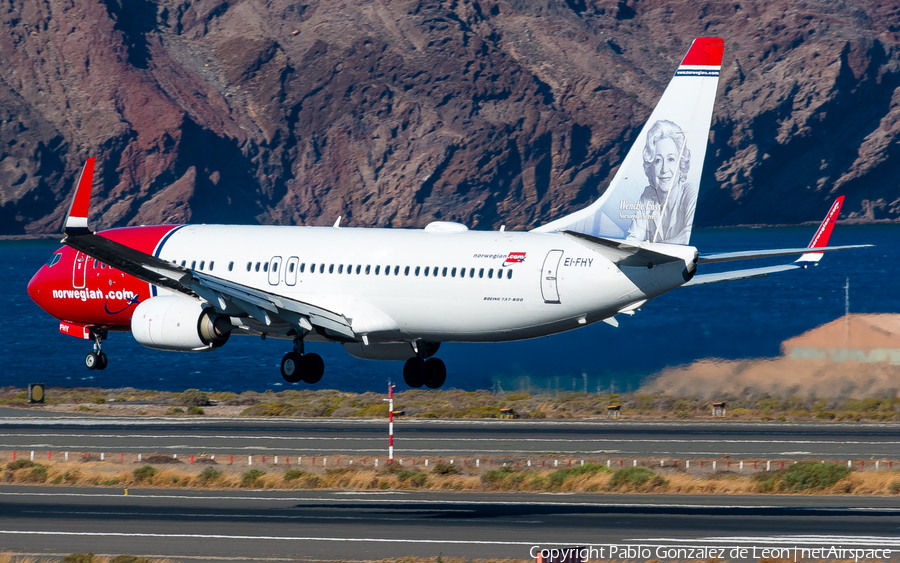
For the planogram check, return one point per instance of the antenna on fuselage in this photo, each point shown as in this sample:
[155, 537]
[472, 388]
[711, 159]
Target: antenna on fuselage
[337, 224]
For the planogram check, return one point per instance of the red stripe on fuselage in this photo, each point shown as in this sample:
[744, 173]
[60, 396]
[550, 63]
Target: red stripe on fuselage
[107, 296]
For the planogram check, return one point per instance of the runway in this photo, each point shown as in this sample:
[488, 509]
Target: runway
[321, 525]
[441, 438]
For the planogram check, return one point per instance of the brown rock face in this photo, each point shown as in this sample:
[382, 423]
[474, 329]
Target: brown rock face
[395, 113]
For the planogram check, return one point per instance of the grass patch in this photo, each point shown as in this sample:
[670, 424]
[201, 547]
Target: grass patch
[252, 479]
[145, 474]
[801, 476]
[636, 479]
[20, 464]
[445, 469]
[270, 409]
[208, 476]
[294, 474]
[556, 479]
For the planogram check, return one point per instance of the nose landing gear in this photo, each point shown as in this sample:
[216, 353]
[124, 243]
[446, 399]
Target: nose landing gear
[297, 366]
[96, 359]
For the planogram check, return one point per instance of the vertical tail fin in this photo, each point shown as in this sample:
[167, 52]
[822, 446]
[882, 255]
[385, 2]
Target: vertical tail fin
[76, 222]
[653, 195]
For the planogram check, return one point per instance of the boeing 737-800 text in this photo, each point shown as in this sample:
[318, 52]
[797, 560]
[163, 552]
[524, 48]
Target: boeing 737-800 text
[396, 294]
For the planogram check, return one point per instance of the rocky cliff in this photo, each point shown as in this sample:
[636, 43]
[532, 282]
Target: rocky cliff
[397, 112]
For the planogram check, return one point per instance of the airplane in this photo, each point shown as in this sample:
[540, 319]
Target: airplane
[397, 294]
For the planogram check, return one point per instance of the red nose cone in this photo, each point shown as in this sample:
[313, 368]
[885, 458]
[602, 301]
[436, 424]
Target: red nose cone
[35, 286]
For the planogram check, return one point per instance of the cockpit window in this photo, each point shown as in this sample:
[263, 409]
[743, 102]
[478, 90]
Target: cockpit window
[54, 259]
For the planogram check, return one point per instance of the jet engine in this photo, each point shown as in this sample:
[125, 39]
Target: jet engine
[180, 324]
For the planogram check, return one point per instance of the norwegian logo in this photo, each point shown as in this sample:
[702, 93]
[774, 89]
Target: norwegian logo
[514, 258]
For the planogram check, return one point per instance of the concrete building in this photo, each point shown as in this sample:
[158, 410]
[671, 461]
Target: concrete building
[862, 338]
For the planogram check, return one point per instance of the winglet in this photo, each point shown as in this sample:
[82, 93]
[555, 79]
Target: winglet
[77, 217]
[820, 239]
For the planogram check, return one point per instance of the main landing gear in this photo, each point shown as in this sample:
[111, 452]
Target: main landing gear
[431, 373]
[297, 366]
[96, 359]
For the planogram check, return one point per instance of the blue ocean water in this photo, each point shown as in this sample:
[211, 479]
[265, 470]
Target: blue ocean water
[742, 319]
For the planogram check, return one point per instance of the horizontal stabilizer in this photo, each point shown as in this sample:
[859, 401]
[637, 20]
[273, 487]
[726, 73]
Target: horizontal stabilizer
[733, 275]
[751, 254]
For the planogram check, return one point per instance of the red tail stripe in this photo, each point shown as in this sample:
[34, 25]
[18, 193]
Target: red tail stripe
[705, 51]
[824, 233]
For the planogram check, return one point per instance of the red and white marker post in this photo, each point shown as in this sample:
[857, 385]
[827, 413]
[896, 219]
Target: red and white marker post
[390, 422]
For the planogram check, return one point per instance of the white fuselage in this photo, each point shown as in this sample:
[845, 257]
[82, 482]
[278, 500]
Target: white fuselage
[481, 286]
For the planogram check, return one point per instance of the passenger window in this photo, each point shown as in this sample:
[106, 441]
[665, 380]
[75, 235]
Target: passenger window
[349, 268]
[427, 268]
[291, 268]
[358, 268]
[248, 265]
[274, 266]
[509, 274]
[321, 268]
[453, 273]
[193, 264]
[481, 273]
[183, 263]
[367, 269]
[417, 270]
[94, 266]
[266, 267]
[472, 272]
[397, 270]
[434, 271]
[230, 266]
[444, 272]
[340, 268]
[103, 265]
[302, 267]
[377, 270]
[211, 264]
[490, 273]
[387, 270]
[257, 266]
[405, 271]
[312, 268]
[331, 268]
[202, 264]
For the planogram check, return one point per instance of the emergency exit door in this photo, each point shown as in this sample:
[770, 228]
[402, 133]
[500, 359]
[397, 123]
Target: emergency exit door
[549, 274]
[79, 273]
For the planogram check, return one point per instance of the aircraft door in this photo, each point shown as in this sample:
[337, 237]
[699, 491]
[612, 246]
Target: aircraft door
[290, 272]
[549, 273]
[275, 271]
[79, 273]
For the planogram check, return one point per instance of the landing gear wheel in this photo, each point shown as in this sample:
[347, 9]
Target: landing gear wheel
[436, 374]
[102, 361]
[293, 367]
[91, 360]
[315, 368]
[414, 372]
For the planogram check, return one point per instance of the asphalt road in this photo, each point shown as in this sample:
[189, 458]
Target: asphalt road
[317, 525]
[477, 439]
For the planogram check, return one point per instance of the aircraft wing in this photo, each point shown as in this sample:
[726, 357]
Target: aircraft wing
[226, 297]
[810, 255]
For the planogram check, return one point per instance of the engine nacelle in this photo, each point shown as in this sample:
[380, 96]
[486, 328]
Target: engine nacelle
[171, 322]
